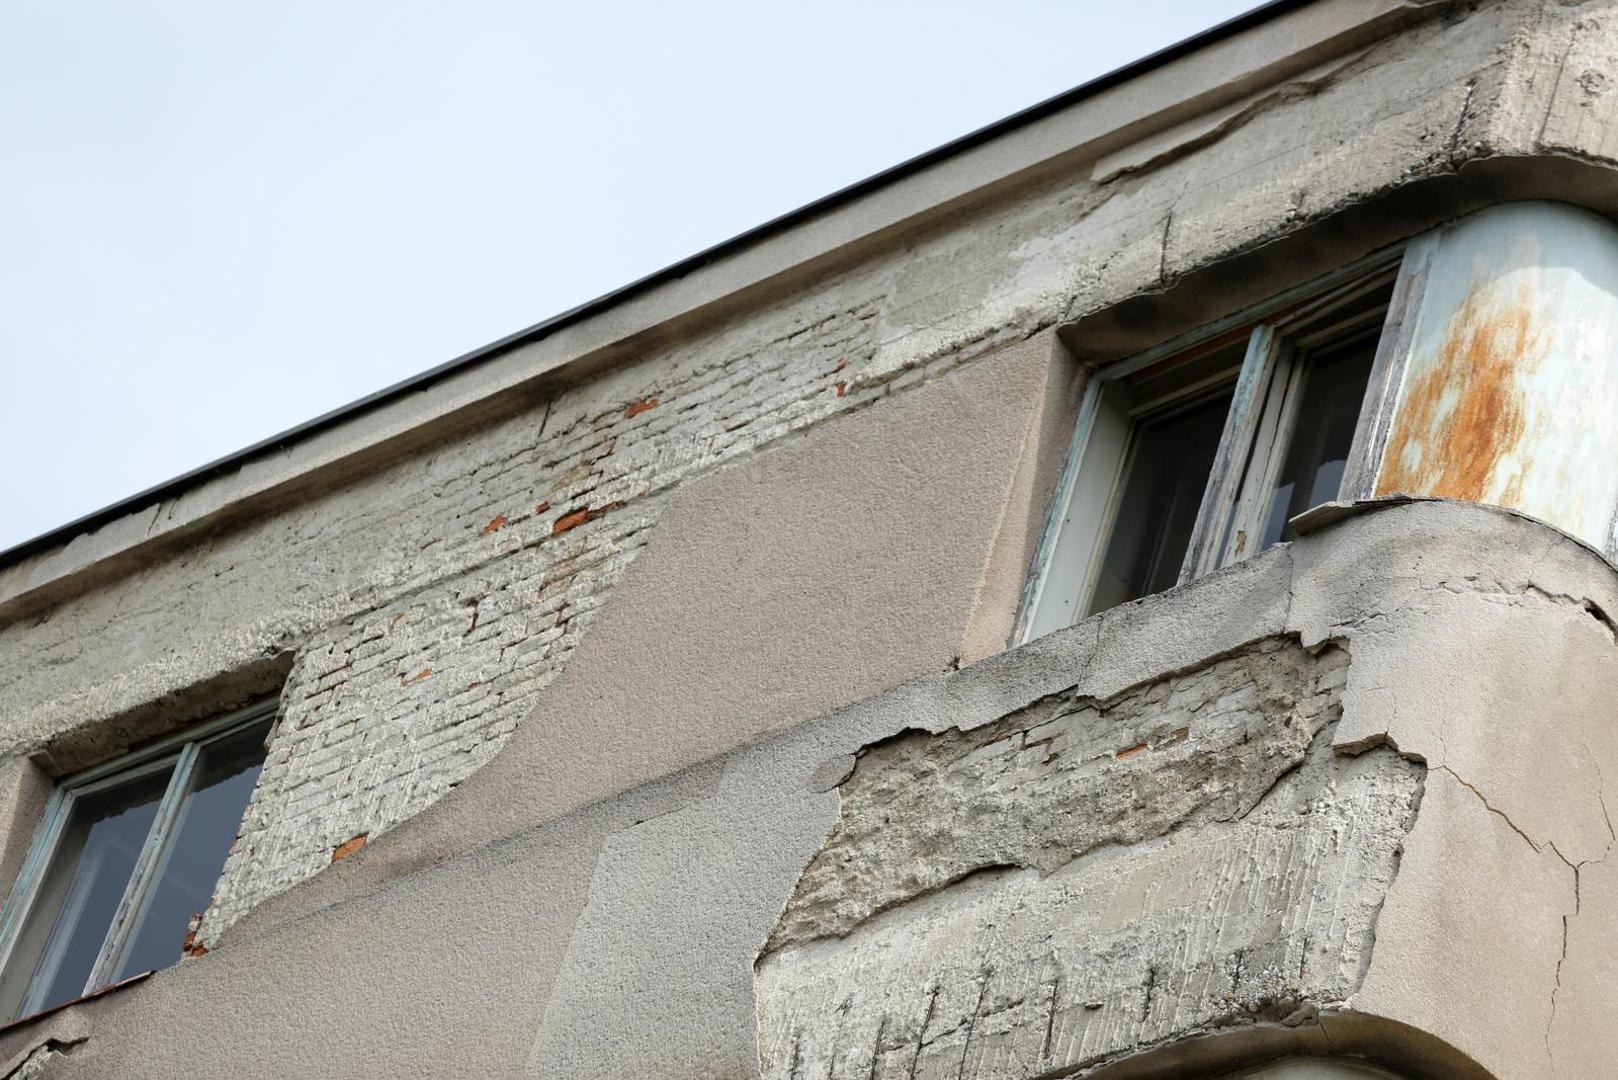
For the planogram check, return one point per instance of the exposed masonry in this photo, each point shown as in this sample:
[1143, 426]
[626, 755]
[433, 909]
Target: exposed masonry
[1082, 879]
[430, 603]
[386, 712]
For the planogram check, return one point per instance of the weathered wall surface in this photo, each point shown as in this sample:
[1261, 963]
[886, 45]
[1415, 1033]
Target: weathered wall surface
[921, 516]
[1084, 878]
[426, 607]
[621, 938]
[1511, 374]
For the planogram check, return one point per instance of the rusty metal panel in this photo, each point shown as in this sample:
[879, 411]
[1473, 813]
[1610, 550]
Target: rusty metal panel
[1510, 390]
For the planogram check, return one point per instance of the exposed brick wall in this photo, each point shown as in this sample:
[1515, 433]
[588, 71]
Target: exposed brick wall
[386, 711]
[429, 606]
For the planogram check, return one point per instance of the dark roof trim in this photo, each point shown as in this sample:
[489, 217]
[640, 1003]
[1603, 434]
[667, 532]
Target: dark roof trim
[539, 330]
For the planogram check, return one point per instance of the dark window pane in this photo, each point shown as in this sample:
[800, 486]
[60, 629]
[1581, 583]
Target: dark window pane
[1167, 472]
[201, 838]
[87, 878]
[1328, 410]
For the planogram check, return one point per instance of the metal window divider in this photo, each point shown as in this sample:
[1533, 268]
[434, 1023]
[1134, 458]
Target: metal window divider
[1270, 444]
[1387, 370]
[31, 875]
[1055, 518]
[1208, 536]
[1204, 551]
[1259, 428]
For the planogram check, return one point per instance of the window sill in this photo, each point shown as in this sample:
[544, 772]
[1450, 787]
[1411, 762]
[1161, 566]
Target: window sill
[23, 1021]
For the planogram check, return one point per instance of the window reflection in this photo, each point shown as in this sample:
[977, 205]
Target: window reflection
[1167, 472]
[1333, 385]
[86, 880]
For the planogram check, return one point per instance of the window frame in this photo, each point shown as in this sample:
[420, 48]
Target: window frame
[1252, 443]
[180, 752]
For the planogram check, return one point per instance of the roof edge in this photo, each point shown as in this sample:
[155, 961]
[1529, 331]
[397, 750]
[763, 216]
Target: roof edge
[416, 383]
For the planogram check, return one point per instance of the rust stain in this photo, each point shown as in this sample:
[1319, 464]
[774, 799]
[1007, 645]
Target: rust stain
[1130, 752]
[542, 507]
[499, 520]
[417, 677]
[571, 520]
[1462, 415]
[348, 847]
[638, 407]
[191, 946]
[842, 388]
[574, 518]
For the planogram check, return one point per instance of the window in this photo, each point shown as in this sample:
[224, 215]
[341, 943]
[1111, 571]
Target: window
[1197, 454]
[127, 854]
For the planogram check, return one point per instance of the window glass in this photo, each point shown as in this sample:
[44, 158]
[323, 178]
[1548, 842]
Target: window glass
[1282, 395]
[207, 824]
[1167, 471]
[128, 853]
[1334, 378]
[87, 878]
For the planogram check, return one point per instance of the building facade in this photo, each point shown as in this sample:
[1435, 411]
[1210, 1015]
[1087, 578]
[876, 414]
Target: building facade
[1129, 594]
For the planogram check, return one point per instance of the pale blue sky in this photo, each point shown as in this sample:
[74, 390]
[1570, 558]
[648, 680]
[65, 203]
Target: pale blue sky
[220, 219]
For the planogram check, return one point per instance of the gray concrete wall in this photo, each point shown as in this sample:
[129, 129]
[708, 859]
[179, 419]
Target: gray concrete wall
[621, 938]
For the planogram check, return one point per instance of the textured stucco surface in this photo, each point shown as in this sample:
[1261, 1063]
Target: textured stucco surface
[426, 595]
[884, 526]
[832, 483]
[626, 931]
[1082, 879]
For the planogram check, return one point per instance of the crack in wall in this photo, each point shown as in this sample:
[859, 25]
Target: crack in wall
[35, 1064]
[1549, 845]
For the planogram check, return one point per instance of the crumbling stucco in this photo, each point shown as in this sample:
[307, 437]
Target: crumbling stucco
[430, 597]
[1062, 778]
[36, 1064]
[1082, 879]
[622, 937]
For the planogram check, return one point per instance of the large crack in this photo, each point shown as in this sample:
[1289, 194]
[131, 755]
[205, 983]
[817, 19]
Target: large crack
[1262, 103]
[1538, 847]
[34, 1064]
[1515, 594]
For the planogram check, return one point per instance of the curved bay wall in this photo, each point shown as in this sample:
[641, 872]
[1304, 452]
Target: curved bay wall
[1510, 387]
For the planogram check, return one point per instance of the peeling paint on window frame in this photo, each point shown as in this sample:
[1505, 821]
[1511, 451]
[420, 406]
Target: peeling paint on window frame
[1063, 574]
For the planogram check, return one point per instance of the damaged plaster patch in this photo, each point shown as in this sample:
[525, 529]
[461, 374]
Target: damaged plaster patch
[36, 1064]
[1061, 778]
[1083, 878]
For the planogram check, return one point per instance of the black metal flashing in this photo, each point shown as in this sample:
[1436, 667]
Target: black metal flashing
[540, 330]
